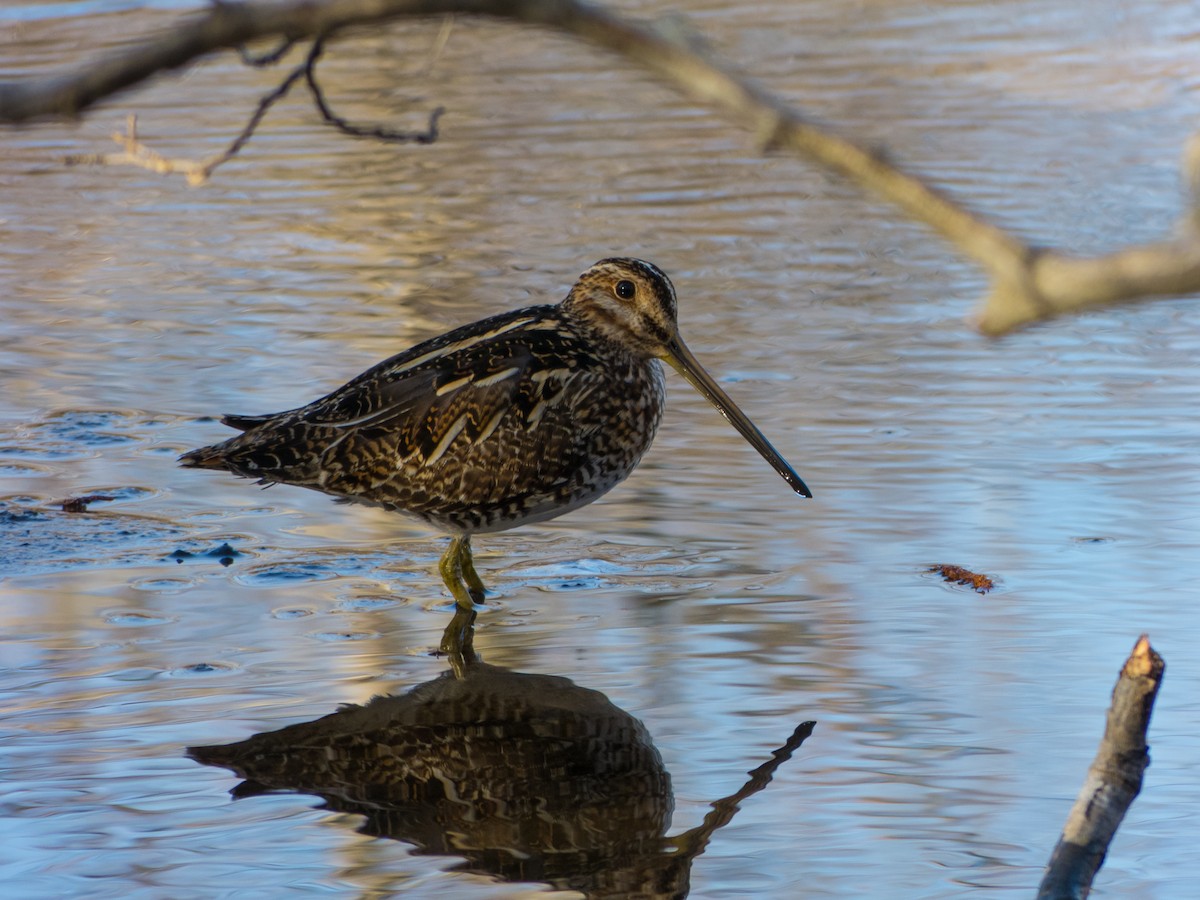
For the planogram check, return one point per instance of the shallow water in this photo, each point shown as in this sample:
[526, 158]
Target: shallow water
[701, 598]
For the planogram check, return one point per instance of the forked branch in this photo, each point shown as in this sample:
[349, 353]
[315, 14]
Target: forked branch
[197, 172]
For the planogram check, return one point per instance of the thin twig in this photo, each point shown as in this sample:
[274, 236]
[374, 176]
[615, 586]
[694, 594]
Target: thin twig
[135, 153]
[378, 132]
[439, 46]
[197, 172]
[267, 101]
[269, 58]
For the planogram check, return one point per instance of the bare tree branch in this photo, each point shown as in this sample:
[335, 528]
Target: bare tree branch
[1112, 782]
[136, 153]
[197, 172]
[1027, 283]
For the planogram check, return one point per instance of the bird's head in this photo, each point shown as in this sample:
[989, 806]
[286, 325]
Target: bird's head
[632, 302]
[629, 301]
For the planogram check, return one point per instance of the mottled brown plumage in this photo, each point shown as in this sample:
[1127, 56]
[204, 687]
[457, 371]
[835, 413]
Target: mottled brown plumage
[530, 777]
[510, 420]
[524, 777]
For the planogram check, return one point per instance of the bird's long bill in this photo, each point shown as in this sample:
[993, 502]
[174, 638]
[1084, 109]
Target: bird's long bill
[681, 359]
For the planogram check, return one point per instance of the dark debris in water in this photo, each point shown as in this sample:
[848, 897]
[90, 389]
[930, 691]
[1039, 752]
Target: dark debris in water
[38, 539]
[224, 554]
[958, 575]
[80, 504]
[203, 668]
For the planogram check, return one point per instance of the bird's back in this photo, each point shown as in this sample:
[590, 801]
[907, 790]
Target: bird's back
[509, 420]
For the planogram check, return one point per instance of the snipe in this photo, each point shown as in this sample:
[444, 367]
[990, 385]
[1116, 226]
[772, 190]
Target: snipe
[509, 420]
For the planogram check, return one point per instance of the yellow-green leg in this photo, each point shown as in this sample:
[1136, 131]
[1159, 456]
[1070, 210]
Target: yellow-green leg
[470, 576]
[458, 572]
[458, 641]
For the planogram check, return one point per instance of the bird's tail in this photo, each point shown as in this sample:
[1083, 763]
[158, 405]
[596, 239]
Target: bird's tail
[211, 457]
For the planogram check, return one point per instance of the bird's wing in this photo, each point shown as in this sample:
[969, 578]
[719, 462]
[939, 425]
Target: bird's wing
[459, 387]
[417, 405]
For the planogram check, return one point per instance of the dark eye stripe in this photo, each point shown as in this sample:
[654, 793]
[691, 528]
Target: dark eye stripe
[656, 331]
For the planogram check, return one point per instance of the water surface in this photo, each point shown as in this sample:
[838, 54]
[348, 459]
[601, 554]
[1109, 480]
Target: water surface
[702, 599]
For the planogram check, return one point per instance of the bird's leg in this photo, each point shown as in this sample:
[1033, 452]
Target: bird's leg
[458, 641]
[458, 572]
[470, 576]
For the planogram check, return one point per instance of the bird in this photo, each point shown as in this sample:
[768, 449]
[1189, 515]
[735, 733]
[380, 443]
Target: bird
[511, 420]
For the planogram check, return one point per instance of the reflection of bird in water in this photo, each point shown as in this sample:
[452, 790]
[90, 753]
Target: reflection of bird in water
[531, 778]
[510, 420]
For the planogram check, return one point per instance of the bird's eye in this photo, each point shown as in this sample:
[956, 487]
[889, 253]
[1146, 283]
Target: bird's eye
[625, 290]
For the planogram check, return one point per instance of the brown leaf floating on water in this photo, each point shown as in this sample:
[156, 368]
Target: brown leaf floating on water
[958, 575]
[80, 504]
